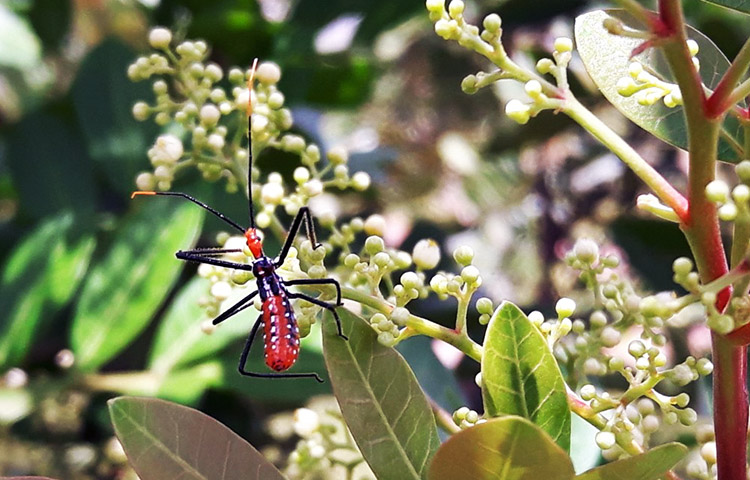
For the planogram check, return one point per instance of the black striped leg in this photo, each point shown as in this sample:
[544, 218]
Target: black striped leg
[203, 255]
[246, 352]
[236, 308]
[302, 214]
[318, 281]
[326, 305]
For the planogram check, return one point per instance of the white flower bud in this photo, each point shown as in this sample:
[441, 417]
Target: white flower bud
[400, 315]
[272, 193]
[214, 72]
[517, 111]
[361, 181]
[145, 181]
[375, 225]
[605, 440]
[492, 23]
[215, 141]
[426, 254]
[209, 114]
[693, 47]
[166, 150]
[717, 191]
[708, 452]
[313, 187]
[563, 44]
[306, 422]
[141, 111]
[536, 317]
[160, 37]
[268, 73]
[301, 175]
[565, 307]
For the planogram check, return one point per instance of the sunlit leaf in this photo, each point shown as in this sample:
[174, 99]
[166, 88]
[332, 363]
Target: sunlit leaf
[165, 440]
[508, 448]
[520, 375]
[647, 466]
[124, 289]
[742, 6]
[40, 276]
[607, 58]
[384, 407]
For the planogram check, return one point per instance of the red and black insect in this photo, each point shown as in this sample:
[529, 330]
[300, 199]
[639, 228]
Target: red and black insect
[280, 331]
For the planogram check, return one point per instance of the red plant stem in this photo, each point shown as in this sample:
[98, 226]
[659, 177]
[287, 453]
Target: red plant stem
[703, 234]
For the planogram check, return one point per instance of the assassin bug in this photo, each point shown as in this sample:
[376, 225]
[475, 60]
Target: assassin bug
[280, 331]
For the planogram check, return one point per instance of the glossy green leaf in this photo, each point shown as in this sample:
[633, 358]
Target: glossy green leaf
[742, 6]
[520, 375]
[124, 290]
[382, 403]
[180, 340]
[651, 465]
[19, 46]
[508, 448]
[607, 57]
[165, 440]
[40, 276]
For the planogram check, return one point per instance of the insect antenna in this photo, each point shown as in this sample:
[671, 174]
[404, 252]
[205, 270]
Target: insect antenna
[195, 201]
[250, 142]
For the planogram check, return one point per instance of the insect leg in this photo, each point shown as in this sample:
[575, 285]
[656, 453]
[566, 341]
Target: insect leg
[246, 352]
[204, 256]
[236, 308]
[326, 305]
[318, 281]
[302, 215]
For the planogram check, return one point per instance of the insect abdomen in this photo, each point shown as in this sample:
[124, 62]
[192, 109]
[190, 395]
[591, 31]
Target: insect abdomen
[281, 342]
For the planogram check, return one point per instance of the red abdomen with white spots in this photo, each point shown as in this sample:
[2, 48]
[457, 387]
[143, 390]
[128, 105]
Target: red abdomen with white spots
[281, 334]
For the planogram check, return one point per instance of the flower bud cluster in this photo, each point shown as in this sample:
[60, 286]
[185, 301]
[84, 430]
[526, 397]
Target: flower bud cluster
[734, 206]
[647, 88]
[187, 92]
[467, 418]
[324, 442]
[703, 465]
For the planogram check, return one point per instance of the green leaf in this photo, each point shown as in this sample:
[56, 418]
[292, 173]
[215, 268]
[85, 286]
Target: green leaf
[384, 408]
[509, 448]
[165, 440]
[50, 167]
[125, 289]
[19, 46]
[40, 276]
[521, 377]
[742, 6]
[607, 57]
[647, 466]
[180, 340]
[103, 98]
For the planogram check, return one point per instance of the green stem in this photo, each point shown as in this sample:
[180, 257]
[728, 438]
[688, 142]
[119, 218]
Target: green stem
[419, 324]
[661, 187]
